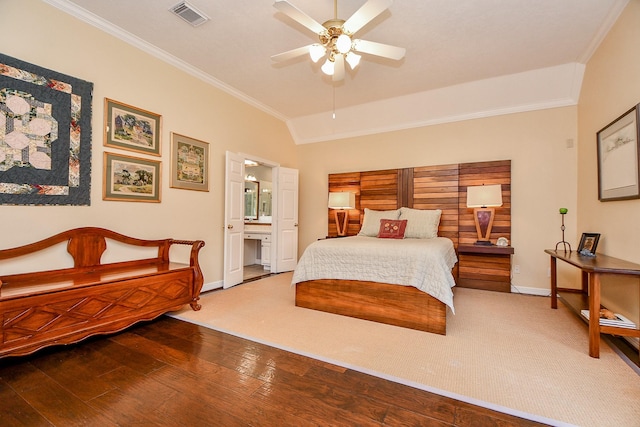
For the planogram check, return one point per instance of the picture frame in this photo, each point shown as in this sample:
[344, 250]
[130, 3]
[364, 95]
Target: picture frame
[131, 179]
[189, 163]
[130, 128]
[588, 244]
[619, 158]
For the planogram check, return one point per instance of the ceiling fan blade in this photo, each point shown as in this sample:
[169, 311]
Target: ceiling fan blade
[290, 54]
[299, 16]
[338, 70]
[379, 49]
[365, 14]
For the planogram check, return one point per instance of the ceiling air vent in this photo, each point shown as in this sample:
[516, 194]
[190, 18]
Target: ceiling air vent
[189, 13]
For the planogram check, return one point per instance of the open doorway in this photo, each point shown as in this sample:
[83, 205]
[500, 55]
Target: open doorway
[253, 236]
[258, 220]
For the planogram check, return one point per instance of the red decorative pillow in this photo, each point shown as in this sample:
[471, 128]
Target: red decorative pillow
[392, 228]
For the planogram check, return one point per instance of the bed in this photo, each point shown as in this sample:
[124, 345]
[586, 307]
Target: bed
[432, 200]
[384, 278]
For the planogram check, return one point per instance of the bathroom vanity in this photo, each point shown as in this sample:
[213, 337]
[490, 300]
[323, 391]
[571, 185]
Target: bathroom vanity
[257, 244]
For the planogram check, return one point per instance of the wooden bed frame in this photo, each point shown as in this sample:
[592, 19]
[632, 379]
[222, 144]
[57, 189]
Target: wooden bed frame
[430, 187]
[404, 306]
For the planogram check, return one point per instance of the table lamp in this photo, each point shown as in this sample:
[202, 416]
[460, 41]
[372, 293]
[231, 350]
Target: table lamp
[340, 202]
[483, 198]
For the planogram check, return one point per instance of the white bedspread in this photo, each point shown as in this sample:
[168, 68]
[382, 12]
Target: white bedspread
[423, 263]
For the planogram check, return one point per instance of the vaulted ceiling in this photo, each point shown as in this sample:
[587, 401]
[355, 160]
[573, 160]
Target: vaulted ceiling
[464, 58]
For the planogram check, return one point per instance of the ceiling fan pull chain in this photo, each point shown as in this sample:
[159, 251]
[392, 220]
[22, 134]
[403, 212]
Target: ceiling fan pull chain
[334, 101]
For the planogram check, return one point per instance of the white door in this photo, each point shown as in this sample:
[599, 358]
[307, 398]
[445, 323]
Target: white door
[287, 212]
[233, 220]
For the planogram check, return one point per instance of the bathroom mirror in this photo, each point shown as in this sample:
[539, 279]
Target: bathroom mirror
[251, 191]
[264, 200]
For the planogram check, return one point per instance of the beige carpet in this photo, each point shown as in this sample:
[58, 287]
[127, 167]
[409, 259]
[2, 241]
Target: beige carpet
[507, 352]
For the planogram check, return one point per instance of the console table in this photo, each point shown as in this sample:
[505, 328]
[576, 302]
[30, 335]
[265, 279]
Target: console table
[592, 268]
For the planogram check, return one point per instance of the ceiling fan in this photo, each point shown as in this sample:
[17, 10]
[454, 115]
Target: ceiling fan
[336, 41]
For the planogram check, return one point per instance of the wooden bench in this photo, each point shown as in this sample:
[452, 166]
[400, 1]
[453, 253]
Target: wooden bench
[66, 305]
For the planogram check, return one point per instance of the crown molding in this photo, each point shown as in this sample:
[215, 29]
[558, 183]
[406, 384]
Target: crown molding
[544, 88]
[551, 87]
[607, 24]
[97, 22]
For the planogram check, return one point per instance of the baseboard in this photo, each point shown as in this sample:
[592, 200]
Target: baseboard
[530, 291]
[211, 286]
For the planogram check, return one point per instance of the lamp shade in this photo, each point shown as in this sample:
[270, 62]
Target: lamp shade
[316, 52]
[343, 44]
[482, 196]
[328, 67]
[342, 200]
[352, 59]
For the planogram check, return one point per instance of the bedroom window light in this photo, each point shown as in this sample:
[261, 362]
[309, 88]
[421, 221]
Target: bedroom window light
[484, 198]
[340, 202]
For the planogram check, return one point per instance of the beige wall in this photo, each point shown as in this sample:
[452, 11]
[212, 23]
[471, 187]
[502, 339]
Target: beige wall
[546, 173]
[543, 174]
[37, 33]
[611, 86]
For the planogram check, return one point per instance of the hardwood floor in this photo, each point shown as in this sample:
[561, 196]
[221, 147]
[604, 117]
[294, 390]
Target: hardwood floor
[173, 373]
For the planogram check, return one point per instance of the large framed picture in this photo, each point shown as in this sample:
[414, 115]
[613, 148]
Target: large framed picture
[131, 128]
[130, 179]
[189, 163]
[588, 244]
[619, 158]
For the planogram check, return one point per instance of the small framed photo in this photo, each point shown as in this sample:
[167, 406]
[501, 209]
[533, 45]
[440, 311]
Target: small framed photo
[130, 179]
[131, 128]
[619, 158]
[588, 244]
[189, 163]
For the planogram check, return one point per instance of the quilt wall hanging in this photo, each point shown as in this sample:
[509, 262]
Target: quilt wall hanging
[45, 136]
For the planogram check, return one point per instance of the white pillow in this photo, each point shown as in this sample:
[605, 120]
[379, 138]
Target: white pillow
[371, 222]
[421, 223]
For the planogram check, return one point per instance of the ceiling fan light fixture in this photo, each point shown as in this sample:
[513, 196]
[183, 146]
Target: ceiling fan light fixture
[352, 59]
[336, 38]
[316, 52]
[328, 67]
[343, 43]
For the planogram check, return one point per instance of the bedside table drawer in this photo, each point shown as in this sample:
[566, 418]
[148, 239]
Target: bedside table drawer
[485, 267]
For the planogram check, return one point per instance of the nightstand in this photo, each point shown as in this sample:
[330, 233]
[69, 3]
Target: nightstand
[485, 267]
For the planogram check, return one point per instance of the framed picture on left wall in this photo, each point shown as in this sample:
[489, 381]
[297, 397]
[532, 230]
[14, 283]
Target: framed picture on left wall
[130, 128]
[189, 163]
[130, 179]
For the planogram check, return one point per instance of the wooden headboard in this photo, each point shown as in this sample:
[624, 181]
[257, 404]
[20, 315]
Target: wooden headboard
[428, 187]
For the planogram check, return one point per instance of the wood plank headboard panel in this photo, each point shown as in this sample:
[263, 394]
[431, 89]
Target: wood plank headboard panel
[379, 190]
[498, 172]
[436, 187]
[428, 187]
